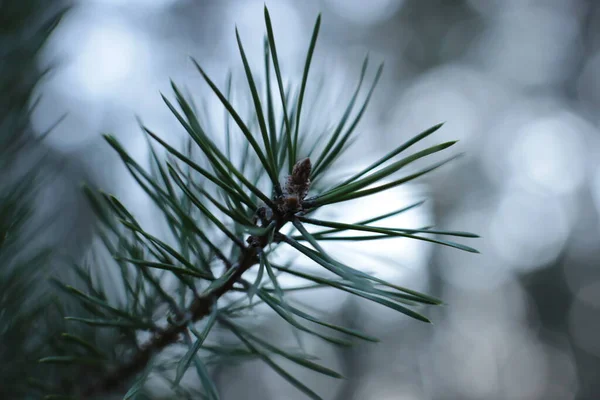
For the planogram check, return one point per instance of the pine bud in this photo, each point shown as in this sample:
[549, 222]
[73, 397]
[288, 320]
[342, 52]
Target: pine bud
[298, 182]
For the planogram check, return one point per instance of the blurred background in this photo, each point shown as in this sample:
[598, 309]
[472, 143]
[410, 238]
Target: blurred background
[516, 81]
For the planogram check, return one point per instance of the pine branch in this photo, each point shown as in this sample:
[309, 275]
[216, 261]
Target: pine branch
[225, 215]
[289, 203]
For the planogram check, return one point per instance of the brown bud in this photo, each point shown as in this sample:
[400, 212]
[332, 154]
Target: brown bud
[298, 182]
[301, 171]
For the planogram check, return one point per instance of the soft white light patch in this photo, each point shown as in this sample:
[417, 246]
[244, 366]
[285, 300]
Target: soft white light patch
[105, 58]
[528, 231]
[365, 12]
[548, 154]
[105, 69]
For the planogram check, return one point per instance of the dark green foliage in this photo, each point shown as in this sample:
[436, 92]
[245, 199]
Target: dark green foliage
[24, 304]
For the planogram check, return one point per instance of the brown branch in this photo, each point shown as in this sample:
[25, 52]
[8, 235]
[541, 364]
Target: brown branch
[296, 189]
[199, 309]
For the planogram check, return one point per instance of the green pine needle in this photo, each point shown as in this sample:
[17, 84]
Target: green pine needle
[225, 211]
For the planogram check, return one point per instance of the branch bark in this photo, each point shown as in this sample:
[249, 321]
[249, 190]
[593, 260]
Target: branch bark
[297, 187]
